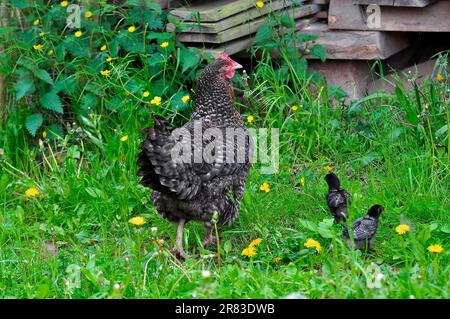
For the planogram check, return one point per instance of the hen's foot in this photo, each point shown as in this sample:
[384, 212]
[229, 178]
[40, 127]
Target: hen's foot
[178, 250]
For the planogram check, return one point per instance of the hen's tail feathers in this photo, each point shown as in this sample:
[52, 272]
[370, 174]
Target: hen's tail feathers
[157, 168]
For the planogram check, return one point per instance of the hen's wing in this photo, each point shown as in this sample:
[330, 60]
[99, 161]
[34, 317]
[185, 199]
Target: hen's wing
[184, 174]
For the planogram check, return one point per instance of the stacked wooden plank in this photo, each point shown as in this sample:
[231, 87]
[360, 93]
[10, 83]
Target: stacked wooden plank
[230, 25]
[395, 15]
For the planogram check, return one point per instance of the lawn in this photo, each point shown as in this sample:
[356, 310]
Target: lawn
[68, 183]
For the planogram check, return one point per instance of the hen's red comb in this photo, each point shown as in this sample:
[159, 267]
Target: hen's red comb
[223, 56]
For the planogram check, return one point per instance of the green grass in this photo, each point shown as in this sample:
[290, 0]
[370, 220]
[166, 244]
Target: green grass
[91, 191]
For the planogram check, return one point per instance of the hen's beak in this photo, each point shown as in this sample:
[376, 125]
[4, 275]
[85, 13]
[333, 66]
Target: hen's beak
[236, 65]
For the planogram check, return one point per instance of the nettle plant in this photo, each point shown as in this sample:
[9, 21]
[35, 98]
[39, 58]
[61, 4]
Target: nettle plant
[118, 58]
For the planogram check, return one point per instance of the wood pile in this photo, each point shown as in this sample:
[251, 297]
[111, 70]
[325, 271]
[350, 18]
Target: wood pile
[230, 25]
[345, 28]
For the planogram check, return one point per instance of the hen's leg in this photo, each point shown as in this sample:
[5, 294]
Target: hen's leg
[209, 234]
[179, 251]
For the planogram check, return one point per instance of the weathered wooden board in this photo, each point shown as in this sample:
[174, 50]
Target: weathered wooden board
[344, 15]
[166, 3]
[396, 3]
[212, 11]
[357, 45]
[234, 20]
[322, 15]
[244, 43]
[352, 76]
[245, 29]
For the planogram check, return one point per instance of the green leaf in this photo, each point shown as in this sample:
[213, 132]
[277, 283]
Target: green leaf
[442, 130]
[24, 87]
[67, 85]
[264, 33]
[177, 104]
[324, 228]
[155, 59]
[336, 92]
[319, 52]
[188, 60]
[6, 30]
[159, 36]
[54, 130]
[287, 21]
[114, 104]
[33, 123]
[44, 76]
[89, 101]
[95, 192]
[51, 101]
[307, 224]
[22, 4]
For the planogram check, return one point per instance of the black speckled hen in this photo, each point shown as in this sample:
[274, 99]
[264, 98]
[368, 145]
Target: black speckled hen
[198, 186]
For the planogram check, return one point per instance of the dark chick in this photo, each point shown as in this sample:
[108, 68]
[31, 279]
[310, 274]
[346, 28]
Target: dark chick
[337, 198]
[198, 186]
[365, 228]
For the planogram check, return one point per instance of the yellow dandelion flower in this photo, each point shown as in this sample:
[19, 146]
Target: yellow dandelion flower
[38, 47]
[31, 192]
[294, 108]
[185, 98]
[164, 44]
[440, 78]
[36, 22]
[311, 243]
[250, 118]
[137, 221]
[437, 248]
[260, 4]
[41, 34]
[124, 138]
[146, 94]
[78, 34]
[402, 229]
[103, 48]
[302, 181]
[105, 72]
[265, 187]
[64, 4]
[328, 168]
[276, 259]
[109, 59]
[50, 52]
[249, 251]
[88, 14]
[44, 134]
[255, 242]
[156, 101]
[131, 29]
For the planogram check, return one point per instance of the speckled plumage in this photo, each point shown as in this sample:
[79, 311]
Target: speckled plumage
[337, 198]
[365, 228]
[194, 191]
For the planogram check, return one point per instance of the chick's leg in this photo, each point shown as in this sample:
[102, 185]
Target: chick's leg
[179, 251]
